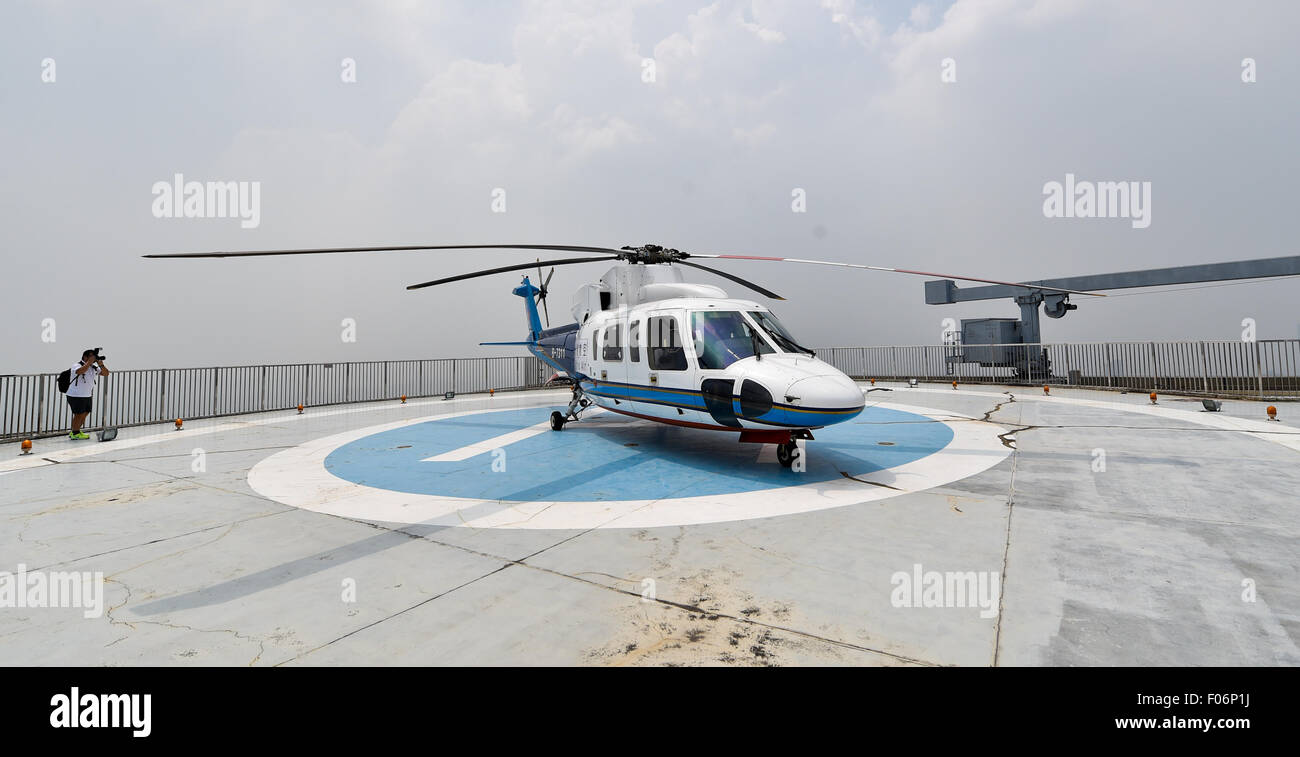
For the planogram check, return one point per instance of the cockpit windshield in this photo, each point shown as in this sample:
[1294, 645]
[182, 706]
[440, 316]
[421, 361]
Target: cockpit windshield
[778, 332]
[724, 336]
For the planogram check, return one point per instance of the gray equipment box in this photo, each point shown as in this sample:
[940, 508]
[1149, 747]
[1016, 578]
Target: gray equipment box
[997, 332]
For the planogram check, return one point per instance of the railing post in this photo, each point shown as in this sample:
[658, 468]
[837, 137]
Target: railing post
[261, 392]
[216, 373]
[40, 407]
[1259, 371]
[1205, 370]
[1155, 368]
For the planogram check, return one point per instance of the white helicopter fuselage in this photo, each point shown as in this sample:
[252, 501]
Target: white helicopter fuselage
[652, 346]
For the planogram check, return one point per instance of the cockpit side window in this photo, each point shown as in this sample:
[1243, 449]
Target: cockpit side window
[724, 336]
[778, 332]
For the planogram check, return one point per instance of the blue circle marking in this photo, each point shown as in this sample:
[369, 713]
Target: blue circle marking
[609, 459]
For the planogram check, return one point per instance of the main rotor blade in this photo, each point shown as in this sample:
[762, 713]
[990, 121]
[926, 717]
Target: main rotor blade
[737, 279]
[902, 270]
[389, 248]
[504, 269]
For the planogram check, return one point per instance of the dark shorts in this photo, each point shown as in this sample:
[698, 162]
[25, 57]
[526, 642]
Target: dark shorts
[79, 405]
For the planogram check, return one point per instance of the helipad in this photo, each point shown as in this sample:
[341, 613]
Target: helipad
[504, 469]
[1115, 532]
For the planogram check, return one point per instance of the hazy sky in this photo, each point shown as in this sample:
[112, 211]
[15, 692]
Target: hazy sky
[546, 100]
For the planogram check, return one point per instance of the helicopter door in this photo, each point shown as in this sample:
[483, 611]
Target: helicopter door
[613, 360]
[638, 362]
[715, 346]
[665, 368]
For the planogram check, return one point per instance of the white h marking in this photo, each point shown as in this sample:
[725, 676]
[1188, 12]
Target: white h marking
[487, 445]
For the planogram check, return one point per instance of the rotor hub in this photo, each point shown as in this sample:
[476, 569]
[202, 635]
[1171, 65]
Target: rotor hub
[651, 254]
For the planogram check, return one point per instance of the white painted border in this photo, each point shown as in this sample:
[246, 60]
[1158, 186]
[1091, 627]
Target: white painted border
[1269, 431]
[65, 450]
[298, 477]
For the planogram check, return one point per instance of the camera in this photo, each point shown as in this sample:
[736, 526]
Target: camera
[99, 356]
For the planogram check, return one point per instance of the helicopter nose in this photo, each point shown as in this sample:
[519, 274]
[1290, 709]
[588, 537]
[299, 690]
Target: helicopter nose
[834, 398]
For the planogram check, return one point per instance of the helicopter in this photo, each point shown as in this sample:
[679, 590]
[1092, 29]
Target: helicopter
[648, 344]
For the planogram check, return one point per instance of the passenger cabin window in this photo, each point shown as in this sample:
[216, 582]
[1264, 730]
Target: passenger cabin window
[613, 347]
[595, 343]
[634, 341]
[724, 336]
[665, 345]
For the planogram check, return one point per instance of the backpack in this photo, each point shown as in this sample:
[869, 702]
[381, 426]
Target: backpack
[65, 380]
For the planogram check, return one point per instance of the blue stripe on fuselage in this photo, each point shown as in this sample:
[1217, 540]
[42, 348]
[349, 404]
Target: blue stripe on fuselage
[689, 399]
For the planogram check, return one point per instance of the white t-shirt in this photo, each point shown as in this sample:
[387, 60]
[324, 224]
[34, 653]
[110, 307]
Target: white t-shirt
[83, 385]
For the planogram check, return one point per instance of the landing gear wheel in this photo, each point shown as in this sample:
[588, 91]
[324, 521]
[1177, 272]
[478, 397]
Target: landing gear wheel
[786, 453]
[557, 421]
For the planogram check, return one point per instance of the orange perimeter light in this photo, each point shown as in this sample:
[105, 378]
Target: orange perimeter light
[954, 385]
[403, 399]
[1047, 389]
[873, 382]
[1153, 398]
[179, 423]
[300, 408]
[27, 446]
[1272, 413]
[492, 392]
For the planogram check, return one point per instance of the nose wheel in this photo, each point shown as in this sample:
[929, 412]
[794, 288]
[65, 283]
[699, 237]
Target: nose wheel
[557, 421]
[787, 453]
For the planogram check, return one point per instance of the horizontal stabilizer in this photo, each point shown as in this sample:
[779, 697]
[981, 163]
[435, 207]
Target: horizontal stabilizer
[524, 343]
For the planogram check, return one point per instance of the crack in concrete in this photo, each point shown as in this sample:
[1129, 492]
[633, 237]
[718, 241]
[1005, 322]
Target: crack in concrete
[873, 483]
[1006, 437]
[261, 644]
[770, 553]
[1006, 548]
[160, 540]
[421, 603]
[164, 457]
[714, 615]
[688, 608]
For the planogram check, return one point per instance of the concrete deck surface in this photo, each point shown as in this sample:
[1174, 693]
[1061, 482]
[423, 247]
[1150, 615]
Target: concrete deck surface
[1150, 560]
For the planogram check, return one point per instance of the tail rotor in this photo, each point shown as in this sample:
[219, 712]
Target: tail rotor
[543, 285]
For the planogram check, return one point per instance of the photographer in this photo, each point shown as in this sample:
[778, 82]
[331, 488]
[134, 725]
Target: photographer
[82, 386]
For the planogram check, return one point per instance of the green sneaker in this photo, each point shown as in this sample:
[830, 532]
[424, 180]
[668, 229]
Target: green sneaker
[78, 435]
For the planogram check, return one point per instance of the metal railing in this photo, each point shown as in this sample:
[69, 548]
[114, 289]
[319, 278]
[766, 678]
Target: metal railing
[32, 407]
[1265, 369]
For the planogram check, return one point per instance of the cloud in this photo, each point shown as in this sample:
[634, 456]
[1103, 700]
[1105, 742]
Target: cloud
[546, 100]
